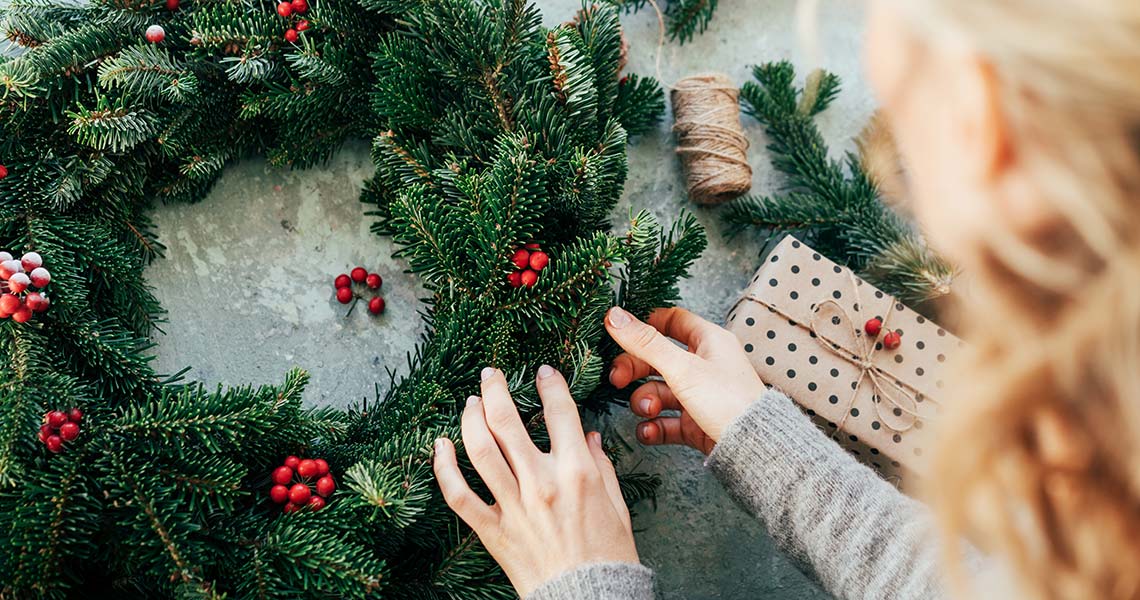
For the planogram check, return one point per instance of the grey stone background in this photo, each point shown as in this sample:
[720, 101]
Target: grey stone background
[248, 280]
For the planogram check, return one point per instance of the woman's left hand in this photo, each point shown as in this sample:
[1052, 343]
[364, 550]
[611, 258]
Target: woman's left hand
[552, 512]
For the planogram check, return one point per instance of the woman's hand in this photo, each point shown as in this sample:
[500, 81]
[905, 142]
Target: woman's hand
[711, 383]
[552, 512]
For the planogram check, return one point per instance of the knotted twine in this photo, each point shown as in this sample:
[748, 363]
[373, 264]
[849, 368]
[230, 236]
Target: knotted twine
[886, 389]
[710, 139]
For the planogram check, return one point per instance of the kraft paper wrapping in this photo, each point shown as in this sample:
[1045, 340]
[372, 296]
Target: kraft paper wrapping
[801, 323]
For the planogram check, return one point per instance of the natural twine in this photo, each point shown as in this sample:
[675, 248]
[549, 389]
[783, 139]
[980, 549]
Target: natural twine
[710, 139]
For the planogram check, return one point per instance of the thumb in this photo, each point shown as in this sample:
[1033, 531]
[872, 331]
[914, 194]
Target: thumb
[645, 343]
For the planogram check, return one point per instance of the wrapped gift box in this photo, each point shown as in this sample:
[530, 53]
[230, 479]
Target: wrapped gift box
[801, 321]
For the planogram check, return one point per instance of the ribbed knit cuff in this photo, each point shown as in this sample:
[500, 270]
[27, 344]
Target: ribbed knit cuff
[599, 581]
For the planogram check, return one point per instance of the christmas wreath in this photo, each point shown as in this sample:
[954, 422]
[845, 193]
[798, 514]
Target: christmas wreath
[491, 133]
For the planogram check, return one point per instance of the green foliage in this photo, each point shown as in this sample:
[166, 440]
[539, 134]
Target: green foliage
[832, 205]
[684, 19]
[490, 132]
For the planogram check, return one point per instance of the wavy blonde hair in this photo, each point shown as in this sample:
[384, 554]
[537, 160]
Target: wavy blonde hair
[1039, 460]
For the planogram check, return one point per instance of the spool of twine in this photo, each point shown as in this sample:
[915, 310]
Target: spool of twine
[710, 139]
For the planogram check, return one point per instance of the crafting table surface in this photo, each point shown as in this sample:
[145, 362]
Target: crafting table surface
[248, 277]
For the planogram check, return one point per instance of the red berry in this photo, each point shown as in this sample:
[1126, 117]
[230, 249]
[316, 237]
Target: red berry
[46, 429]
[291, 508]
[75, 415]
[302, 25]
[316, 503]
[344, 295]
[18, 282]
[31, 261]
[9, 303]
[44, 433]
[515, 279]
[374, 281]
[325, 486]
[376, 305]
[532, 246]
[359, 274]
[279, 494]
[282, 475]
[34, 301]
[873, 327]
[171, 4]
[322, 466]
[291, 35]
[40, 277]
[300, 6]
[892, 340]
[284, 9]
[69, 431]
[9, 268]
[307, 468]
[5, 256]
[3, 171]
[539, 260]
[342, 280]
[521, 258]
[56, 418]
[529, 278]
[54, 443]
[22, 315]
[155, 34]
[45, 302]
[299, 493]
[291, 461]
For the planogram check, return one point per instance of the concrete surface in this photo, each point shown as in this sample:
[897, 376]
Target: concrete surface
[249, 272]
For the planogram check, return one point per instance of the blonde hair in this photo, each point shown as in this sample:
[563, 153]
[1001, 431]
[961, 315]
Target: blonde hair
[1039, 460]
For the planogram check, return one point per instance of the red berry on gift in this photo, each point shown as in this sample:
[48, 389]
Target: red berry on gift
[529, 278]
[22, 315]
[342, 281]
[521, 258]
[291, 461]
[291, 508]
[374, 281]
[300, 6]
[68, 431]
[19, 282]
[75, 415]
[31, 261]
[291, 35]
[279, 494]
[56, 418]
[9, 303]
[515, 279]
[299, 493]
[376, 305]
[282, 475]
[302, 25]
[316, 503]
[326, 485]
[892, 340]
[40, 277]
[3, 171]
[307, 468]
[322, 467]
[155, 34]
[284, 9]
[344, 295]
[873, 327]
[54, 443]
[538, 260]
[359, 274]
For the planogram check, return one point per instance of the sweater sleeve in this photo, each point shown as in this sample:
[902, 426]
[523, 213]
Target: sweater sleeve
[599, 581]
[858, 534]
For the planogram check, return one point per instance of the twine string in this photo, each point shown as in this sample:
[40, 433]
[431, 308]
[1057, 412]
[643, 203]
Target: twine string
[710, 138]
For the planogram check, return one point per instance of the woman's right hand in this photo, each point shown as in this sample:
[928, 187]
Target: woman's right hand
[710, 383]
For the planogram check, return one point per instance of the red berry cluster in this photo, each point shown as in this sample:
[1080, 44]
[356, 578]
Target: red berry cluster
[60, 427]
[17, 278]
[891, 341]
[372, 281]
[288, 9]
[291, 484]
[530, 260]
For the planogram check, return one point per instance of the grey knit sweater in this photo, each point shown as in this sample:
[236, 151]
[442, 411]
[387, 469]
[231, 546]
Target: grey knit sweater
[860, 536]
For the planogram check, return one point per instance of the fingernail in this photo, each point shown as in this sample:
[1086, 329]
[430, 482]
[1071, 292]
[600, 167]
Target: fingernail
[486, 373]
[645, 404]
[471, 400]
[613, 371]
[438, 444]
[595, 438]
[619, 318]
[545, 371]
[643, 431]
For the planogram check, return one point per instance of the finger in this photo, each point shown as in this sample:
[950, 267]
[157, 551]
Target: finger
[680, 431]
[609, 475]
[505, 423]
[651, 398]
[647, 344]
[458, 495]
[685, 327]
[485, 455]
[561, 413]
[627, 369]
